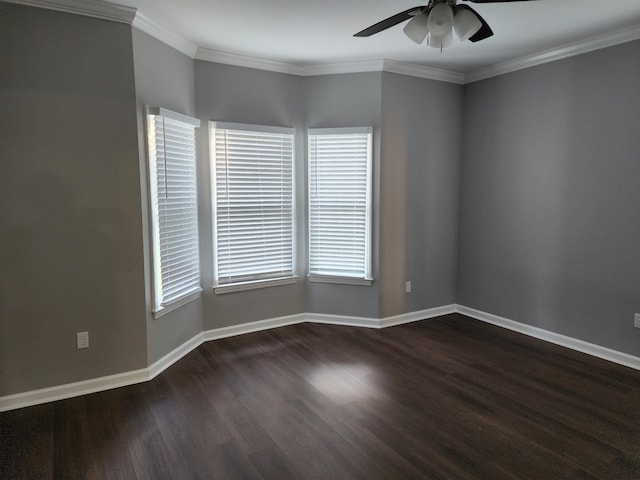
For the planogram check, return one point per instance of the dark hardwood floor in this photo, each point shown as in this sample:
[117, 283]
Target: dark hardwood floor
[449, 398]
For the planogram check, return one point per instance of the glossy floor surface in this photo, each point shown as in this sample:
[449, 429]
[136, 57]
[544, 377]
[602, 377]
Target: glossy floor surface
[448, 398]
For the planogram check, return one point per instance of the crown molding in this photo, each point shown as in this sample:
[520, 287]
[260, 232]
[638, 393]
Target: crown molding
[330, 68]
[159, 32]
[386, 65]
[569, 50]
[128, 15]
[344, 67]
[87, 8]
[423, 72]
[216, 56]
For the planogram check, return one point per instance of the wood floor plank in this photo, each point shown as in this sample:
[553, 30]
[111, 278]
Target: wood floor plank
[447, 398]
[27, 434]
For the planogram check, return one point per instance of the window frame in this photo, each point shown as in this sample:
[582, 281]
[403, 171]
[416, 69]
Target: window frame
[161, 307]
[251, 284]
[367, 278]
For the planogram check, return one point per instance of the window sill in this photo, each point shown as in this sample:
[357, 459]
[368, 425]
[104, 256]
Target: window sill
[188, 298]
[340, 280]
[242, 286]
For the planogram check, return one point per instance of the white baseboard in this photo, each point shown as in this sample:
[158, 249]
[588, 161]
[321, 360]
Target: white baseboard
[251, 327]
[347, 321]
[562, 340]
[59, 392]
[416, 316]
[85, 387]
[368, 322]
[75, 389]
[172, 357]
[159, 366]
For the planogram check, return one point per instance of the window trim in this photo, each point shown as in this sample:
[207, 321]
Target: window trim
[254, 285]
[158, 308]
[177, 303]
[315, 278]
[259, 282]
[367, 279]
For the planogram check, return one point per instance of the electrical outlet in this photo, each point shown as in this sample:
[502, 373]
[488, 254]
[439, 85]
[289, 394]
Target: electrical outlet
[636, 321]
[82, 339]
[407, 287]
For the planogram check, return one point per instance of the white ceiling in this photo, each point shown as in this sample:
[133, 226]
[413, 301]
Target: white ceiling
[315, 32]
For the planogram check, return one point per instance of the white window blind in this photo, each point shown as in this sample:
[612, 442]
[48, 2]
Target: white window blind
[174, 209]
[253, 195]
[340, 202]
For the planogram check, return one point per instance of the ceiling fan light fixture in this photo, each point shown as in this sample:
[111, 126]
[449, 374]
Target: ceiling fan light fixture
[417, 28]
[466, 24]
[440, 20]
[441, 41]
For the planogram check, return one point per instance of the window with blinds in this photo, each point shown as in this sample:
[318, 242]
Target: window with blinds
[340, 204]
[174, 210]
[253, 203]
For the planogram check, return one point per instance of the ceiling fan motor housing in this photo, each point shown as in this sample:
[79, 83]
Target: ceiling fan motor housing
[440, 19]
[433, 3]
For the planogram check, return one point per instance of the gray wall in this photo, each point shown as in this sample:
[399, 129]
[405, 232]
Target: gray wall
[70, 235]
[164, 78]
[550, 211]
[420, 173]
[416, 174]
[353, 100]
[235, 94]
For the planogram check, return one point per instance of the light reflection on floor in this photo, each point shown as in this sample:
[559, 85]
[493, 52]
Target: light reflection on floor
[343, 382]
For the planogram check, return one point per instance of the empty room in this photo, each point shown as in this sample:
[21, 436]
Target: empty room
[319, 240]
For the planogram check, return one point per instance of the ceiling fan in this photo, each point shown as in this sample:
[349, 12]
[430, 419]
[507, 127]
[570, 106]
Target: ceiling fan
[439, 19]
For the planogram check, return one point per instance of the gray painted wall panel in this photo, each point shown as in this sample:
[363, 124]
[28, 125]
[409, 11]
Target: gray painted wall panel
[550, 216]
[421, 149]
[164, 78]
[352, 100]
[242, 95]
[544, 208]
[70, 236]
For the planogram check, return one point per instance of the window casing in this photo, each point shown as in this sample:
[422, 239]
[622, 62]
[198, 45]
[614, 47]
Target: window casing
[174, 209]
[339, 194]
[253, 205]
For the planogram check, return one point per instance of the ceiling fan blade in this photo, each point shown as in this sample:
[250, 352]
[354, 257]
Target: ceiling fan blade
[389, 22]
[485, 30]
